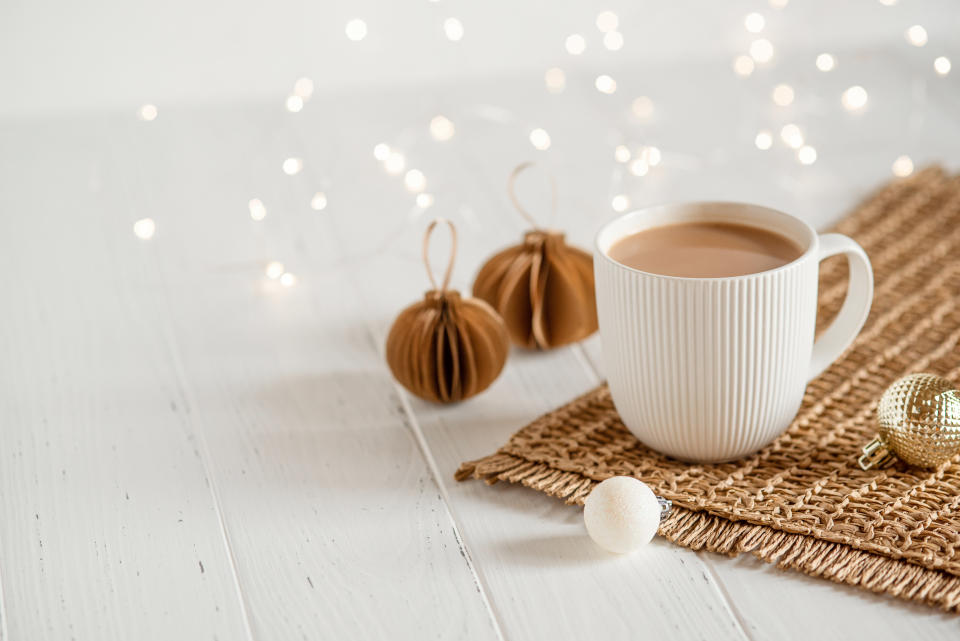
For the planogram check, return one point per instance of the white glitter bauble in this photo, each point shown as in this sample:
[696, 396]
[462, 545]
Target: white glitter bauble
[621, 514]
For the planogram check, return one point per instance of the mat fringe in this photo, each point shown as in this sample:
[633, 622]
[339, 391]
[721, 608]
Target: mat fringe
[700, 530]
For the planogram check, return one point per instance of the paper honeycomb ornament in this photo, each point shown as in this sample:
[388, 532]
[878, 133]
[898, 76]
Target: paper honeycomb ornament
[446, 348]
[542, 288]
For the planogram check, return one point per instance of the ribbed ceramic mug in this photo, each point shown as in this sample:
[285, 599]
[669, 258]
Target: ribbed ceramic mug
[713, 369]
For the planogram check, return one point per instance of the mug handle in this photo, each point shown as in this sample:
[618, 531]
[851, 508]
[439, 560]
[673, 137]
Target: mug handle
[856, 305]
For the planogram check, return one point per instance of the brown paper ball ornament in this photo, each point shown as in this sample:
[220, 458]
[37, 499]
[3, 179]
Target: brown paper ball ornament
[446, 348]
[543, 288]
[919, 422]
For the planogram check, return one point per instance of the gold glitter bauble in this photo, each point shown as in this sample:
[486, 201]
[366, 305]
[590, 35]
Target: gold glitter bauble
[919, 420]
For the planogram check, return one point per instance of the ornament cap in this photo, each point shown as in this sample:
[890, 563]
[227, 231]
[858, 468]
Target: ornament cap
[666, 506]
[876, 454]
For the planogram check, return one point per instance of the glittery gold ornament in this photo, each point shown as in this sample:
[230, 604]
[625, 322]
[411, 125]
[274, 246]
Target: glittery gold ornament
[446, 348]
[919, 419]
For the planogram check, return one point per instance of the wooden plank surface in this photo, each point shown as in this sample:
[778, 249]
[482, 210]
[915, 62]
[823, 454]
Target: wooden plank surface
[337, 525]
[109, 528]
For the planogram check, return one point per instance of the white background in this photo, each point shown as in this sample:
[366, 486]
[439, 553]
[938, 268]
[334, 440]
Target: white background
[115, 54]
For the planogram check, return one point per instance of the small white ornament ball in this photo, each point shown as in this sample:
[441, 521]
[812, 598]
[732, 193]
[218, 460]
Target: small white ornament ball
[621, 514]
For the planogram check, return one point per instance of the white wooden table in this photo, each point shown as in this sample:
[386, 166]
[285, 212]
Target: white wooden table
[193, 451]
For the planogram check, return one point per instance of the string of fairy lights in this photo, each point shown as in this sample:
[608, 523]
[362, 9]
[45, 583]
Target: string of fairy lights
[639, 161]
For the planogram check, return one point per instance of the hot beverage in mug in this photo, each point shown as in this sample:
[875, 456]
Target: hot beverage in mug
[705, 250]
[707, 314]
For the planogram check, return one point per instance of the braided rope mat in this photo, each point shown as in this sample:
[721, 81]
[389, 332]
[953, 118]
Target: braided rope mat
[803, 502]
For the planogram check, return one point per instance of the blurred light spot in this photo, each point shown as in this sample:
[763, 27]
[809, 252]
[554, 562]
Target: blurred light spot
[779, 4]
[381, 151]
[257, 210]
[807, 155]
[888, 3]
[783, 95]
[743, 65]
[642, 107]
[826, 62]
[415, 180]
[453, 29]
[555, 80]
[942, 65]
[319, 201]
[652, 154]
[274, 270]
[754, 22]
[356, 30]
[917, 35]
[441, 128]
[540, 139]
[607, 21]
[761, 50]
[145, 228]
[613, 40]
[292, 166]
[294, 103]
[303, 87]
[147, 113]
[394, 163]
[854, 98]
[575, 44]
[621, 153]
[620, 202]
[288, 280]
[424, 200]
[605, 84]
[639, 167]
[764, 140]
[792, 136]
[902, 166]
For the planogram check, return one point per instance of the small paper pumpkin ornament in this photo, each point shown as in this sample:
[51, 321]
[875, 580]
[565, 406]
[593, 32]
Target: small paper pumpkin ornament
[543, 288]
[919, 422]
[446, 348]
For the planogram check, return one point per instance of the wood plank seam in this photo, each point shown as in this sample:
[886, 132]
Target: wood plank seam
[725, 593]
[4, 635]
[180, 376]
[416, 432]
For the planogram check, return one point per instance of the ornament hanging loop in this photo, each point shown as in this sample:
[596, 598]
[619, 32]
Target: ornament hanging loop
[512, 192]
[453, 253]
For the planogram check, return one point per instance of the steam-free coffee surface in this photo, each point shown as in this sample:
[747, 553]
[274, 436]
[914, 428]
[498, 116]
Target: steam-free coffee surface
[704, 250]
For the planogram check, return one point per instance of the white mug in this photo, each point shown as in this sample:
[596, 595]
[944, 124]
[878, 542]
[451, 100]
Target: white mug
[713, 369]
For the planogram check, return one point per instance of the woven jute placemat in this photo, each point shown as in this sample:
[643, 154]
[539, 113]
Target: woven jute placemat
[803, 502]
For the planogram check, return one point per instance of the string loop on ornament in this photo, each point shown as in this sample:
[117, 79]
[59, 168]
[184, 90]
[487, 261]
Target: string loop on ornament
[511, 191]
[453, 253]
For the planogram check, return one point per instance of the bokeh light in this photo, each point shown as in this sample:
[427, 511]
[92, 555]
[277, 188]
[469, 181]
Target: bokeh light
[356, 29]
[854, 98]
[145, 228]
[540, 139]
[902, 166]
